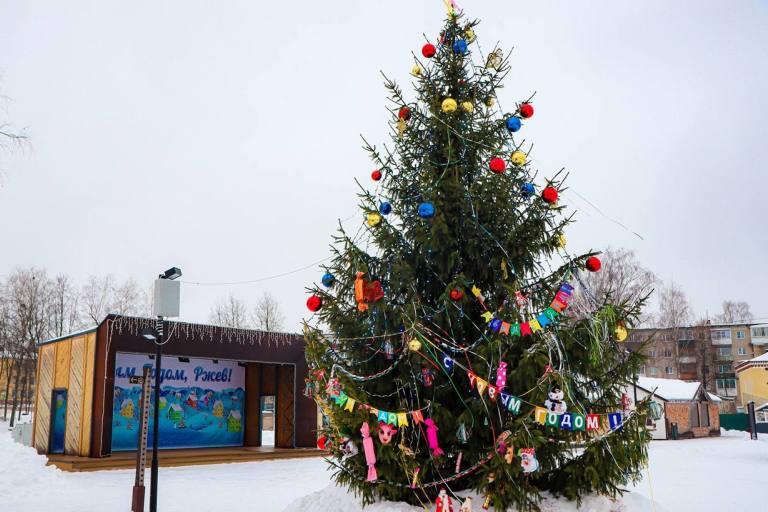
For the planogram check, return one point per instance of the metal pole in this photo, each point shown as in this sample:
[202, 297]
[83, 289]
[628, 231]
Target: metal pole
[156, 420]
[137, 504]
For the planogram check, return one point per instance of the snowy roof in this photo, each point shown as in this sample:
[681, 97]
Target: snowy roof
[744, 365]
[669, 389]
[760, 359]
[713, 397]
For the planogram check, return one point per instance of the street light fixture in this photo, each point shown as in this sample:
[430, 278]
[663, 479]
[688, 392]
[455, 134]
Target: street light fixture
[165, 304]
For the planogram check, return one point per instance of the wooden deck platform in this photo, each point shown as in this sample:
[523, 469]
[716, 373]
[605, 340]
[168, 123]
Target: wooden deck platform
[184, 457]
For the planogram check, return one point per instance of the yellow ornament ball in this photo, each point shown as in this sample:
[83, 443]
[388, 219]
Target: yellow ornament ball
[561, 240]
[467, 106]
[373, 219]
[449, 105]
[518, 158]
[490, 101]
[621, 333]
[416, 70]
[469, 34]
[414, 345]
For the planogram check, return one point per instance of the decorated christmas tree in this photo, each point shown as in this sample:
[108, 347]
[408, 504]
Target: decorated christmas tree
[442, 348]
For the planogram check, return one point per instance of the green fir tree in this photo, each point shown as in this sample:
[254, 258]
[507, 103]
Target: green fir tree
[458, 271]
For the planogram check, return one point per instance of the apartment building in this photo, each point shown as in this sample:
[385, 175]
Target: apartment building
[706, 353]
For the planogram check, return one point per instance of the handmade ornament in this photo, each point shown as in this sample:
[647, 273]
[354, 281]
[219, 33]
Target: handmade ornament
[385, 208]
[494, 60]
[462, 434]
[449, 105]
[414, 345]
[460, 47]
[427, 377]
[528, 189]
[458, 463]
[621, 332]
[386, 432]
[448, 363]
[487, 502]
[478, 293]
[549, 194]
[528, 460]
[428, 50]
[426, 210]
[626, 403]
[518, 158]
[526, 110]
[416, 70]
[370, 452]
[501, 376]
[593, 264]
[510, 455]
[367, 292]
[443, 503]
[373, 219]
[555, 403]
[309, 388]
[467, 505]
[456, 294]
[376, 175]
[328, 279]
[432, 438]
[404, 113]
[520, 300]
[388, 349]
[513, 124]
[348, 447]
[314, 303]
[497, 165]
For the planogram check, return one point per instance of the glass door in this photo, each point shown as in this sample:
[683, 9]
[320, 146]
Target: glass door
[58, 420]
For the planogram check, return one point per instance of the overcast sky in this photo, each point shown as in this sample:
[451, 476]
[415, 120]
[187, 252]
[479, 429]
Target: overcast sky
[223, 137]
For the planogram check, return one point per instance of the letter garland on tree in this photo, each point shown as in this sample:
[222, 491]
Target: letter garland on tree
[466, 274]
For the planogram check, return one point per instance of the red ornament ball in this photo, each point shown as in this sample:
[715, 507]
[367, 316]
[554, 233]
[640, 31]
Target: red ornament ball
[526, 110]
[456, 294]
[428, 50]
[314, 303]
[497, 165]
[593, 264]
[404, 113]
[549, 194]
[376, 175]
[323, 443]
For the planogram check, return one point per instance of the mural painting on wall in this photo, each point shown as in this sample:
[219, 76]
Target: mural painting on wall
[201, 402]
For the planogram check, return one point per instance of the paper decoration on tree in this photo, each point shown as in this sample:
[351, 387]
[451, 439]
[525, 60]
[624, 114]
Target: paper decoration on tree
[539, 321]
[432, 438]
[467, 505]
[443, 503]
[370, 452]
[555, 401]
[528, 460]
[386, 432]
[367, 292]
[348, 447]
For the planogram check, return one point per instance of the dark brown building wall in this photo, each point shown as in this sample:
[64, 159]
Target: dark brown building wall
[121, 334]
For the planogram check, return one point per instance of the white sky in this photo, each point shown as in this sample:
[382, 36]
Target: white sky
[224, 138]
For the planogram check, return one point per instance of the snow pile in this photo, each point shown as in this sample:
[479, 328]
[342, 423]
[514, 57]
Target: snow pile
[21, 466]
[339, 500]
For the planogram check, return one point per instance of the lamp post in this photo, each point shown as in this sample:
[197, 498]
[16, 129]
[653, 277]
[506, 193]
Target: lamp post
[165, 304]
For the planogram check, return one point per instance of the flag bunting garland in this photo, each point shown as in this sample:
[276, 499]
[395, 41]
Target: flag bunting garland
[538, 322]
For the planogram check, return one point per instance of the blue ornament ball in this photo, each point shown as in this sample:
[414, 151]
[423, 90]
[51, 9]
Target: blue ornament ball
[528, 189]
[513, 124]
[495, 325]
[460, 46]
[328, 280]
[426, 210]
[385, 208]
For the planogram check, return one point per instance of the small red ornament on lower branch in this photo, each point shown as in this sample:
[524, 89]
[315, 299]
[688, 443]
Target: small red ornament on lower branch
[593, 264]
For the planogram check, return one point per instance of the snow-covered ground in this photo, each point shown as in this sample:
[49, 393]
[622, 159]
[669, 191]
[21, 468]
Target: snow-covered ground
[713, 474]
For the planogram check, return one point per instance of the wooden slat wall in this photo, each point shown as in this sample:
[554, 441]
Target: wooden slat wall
[285, 403]
[74, 396]
[46, 364]
[61, 372]
[85, 429]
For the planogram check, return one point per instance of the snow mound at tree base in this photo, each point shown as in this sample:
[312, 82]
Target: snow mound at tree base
[340, 500]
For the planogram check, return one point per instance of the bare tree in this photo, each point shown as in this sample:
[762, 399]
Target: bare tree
[230, 312]
[622, 279]
[63, 306]
[129, 299]
[674, 308]
[96, 297]
[734, 311]
[267, 315]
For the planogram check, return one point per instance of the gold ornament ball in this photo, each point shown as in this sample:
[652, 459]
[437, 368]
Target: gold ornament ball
[621, 333]
[469, 34]
[467, 106]
[414, 345]
[416, 70]
[561, 240]
[373, 219]
[449, 105]
[490, 101]
[518, 158]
